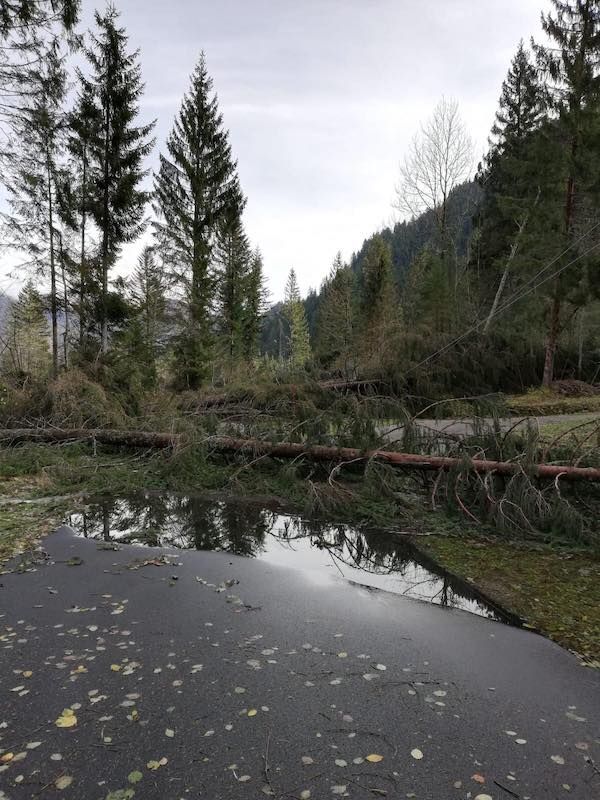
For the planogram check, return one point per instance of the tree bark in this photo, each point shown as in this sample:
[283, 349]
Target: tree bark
[552, 341]
[53, 303]
[293, 450]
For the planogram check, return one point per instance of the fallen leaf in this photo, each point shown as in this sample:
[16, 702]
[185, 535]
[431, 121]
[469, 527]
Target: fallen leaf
[478, 778]
[416, 754]
[7, 757]
[67, 719]
[135, 776]
[375, 758]
[170, 733]
[253, 712]
[557, 759]
[63, 782]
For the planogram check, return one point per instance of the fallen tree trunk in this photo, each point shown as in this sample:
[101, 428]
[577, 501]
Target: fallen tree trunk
[291, 450]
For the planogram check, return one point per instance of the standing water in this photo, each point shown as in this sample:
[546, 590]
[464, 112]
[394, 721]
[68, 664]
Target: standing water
[372, 558]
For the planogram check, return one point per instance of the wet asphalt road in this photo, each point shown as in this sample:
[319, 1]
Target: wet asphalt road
[280, 685]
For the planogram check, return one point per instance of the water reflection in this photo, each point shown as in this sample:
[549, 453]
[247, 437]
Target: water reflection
[371, 558]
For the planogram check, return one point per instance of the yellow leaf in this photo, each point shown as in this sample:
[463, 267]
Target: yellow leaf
[374, 758]
[156, 764]
[115, 667]
[7, 757]
[63, 782]
[28, 673]
[253, 712]
[67, 719]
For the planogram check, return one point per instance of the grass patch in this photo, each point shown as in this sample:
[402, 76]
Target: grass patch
[586, 428]
[556, 593]
[544, 402]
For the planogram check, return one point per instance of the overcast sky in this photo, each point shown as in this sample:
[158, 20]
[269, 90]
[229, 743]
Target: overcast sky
[321, 98]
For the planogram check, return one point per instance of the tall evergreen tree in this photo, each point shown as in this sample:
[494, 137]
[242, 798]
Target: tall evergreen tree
[380, 310]
[233, 261]
[32, 173]
[118, 147]
[26, 353]
[145, 334]
[29, 31]
[571, 60]
[84, 129]
[196, 190]
[513, 178]
[336, 319]
[254, 307]
[299, 341]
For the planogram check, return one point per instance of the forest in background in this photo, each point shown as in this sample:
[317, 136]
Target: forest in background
[490, 284]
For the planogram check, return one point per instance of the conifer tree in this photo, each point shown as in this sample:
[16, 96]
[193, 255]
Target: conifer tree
[514, 178]
[571, 61]
[196, 190]
[83, 130]
[299, 341]
[254, 307]
[336, 321]
[26, 336]
[118, 147]
[145, 335]
[379, 306]
[29, 31]
[32, 173]
[233, 260]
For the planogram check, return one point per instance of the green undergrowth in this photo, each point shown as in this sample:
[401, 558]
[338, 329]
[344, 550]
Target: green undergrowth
[557, 593]
[545, 402]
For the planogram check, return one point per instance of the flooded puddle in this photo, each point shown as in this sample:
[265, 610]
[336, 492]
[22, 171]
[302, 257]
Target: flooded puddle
[371, 558]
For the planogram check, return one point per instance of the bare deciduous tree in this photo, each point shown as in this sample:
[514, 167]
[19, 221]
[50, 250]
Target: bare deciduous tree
[439, 158]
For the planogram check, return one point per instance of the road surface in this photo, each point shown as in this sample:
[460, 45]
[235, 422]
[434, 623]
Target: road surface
[159, 681]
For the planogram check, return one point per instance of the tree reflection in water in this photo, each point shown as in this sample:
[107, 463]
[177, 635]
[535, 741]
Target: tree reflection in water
[246, 529]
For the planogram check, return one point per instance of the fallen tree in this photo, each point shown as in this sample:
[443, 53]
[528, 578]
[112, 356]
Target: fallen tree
[292, 450]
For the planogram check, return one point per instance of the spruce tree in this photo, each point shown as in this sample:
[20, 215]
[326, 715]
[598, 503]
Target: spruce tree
[336, 319]
[299, 339]
[32, 173]
[30, 30]
[145, 333]
[83, 130]
[118, 147]
[233, 260]
[254, 306]
[380, 311]
[514, 179]
[196, 190]
[571, 62]
[26, 353]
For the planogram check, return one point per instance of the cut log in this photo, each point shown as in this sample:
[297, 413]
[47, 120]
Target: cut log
[293, 450]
